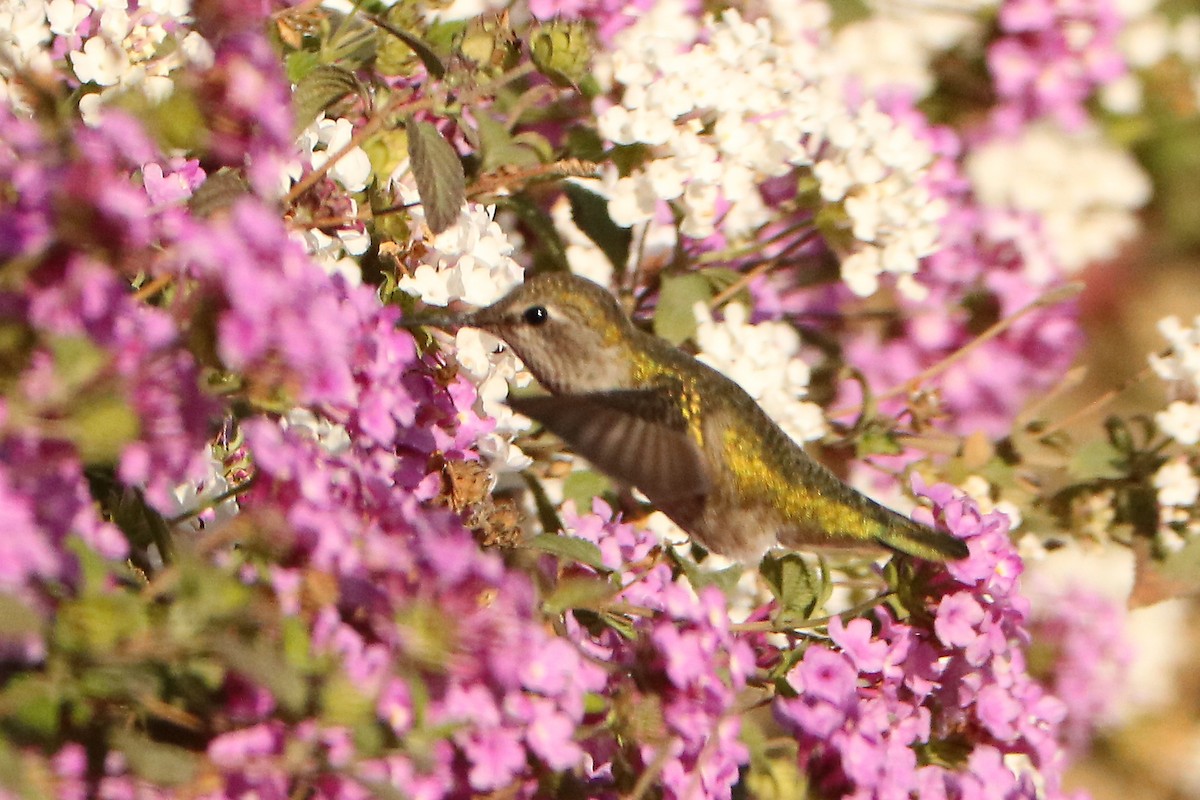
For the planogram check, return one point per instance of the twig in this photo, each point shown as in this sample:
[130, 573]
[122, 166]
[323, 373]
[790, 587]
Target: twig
[647, 778]
[1099, 403]
[372, 125]
[761, 269]
[213, 502]
[770, 627]
[1049, 298]
[153, 287]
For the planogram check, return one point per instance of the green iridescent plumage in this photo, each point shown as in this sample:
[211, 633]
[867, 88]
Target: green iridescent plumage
[688, 437]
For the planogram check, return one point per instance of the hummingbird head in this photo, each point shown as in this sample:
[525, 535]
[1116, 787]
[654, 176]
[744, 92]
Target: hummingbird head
[570, 332]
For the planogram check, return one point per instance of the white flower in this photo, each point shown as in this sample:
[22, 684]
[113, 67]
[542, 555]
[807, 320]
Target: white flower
[1084, 189]
[1181, 421]
[584, 256]
[197, 51]
[861, 270]
[742, 103]
[632, 201]
[885, 51]
[64, 16]
[24, 35]
[491, 367]
[764, 360]
[99, 62]
[1123, 95]
[1181, 366]
[332, 437]
[189, 498]
[1176, 483]
[1146, 41]
[1186, 39]
[353, 170]
[468, 261]
[471, 261]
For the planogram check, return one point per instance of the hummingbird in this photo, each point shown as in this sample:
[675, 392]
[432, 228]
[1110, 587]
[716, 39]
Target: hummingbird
[689, 438]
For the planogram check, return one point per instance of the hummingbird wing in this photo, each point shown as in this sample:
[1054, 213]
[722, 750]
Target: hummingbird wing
[638, 436]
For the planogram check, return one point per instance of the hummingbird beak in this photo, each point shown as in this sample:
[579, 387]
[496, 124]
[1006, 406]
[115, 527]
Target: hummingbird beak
[445, 322]
[432, 320]
[485, 318]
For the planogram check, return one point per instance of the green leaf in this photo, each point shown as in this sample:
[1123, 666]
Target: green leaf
[441, 182]
[721, 278]
[77, 361]
[873, 442]
[101, 427]
[100, 623]
[724, 579]
[433, 64]
[321, 88]
[263, 665]
[30, 703]
[585, 143]
[583, 485]
[796, 589]
[848, 11]
[300, 63]
[1183, 566]
[498, 148]
[550, 253]
[343, 703]
[579, 592]
[1096, 459]
[675, 319]
[386, 150]
[356, 42]
[590, 213]
[571, 548]
[156, 762]
[547, 514]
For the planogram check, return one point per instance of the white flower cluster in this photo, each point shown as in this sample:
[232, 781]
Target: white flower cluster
[352, 172]
[125, 49]
[1083, 188]
[1176, 482]
[894, 46]
[1180, 367]
[190, 498]
[584, 256]
[472, 261]
[1177, 488]
[733, 105]
[764, 360]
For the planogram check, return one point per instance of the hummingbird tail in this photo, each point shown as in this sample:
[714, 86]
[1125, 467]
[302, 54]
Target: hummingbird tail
[915, 539]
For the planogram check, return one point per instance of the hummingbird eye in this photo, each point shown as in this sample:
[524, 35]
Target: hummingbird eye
[536, 315]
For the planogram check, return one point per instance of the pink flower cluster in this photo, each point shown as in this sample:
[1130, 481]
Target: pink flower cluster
[936, 704]
[1051, 57]
[682, 662]
[1084, 636]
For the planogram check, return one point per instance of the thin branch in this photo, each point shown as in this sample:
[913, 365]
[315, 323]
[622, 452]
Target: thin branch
[646, 780]
[764, 267]
[1100, 402]
[1048, 299]
[850, 613]
[153, 287]
[372, 125]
